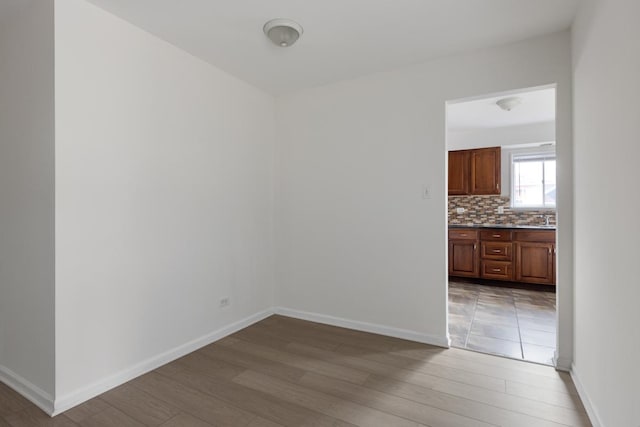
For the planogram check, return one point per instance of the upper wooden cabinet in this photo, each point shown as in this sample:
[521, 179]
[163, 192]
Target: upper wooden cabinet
[474, 171]
[485, 171]
[459, 172]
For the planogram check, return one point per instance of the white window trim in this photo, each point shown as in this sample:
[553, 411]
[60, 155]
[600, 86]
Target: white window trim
[534, 154]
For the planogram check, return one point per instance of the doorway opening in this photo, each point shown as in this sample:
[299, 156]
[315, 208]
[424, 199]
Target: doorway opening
[502, 224]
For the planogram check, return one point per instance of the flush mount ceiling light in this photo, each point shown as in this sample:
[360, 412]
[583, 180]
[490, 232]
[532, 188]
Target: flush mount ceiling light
[283, 32]
[510, 103]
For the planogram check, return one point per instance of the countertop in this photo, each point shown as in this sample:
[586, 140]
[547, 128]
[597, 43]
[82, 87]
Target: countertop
[515, 226]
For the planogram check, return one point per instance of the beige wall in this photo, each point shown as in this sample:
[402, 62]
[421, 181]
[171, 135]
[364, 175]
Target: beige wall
[164, 200]
[606, 64]
[355, 239]
[27, 200]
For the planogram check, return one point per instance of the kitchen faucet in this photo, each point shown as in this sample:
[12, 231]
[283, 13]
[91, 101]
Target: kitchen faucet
[546, 219]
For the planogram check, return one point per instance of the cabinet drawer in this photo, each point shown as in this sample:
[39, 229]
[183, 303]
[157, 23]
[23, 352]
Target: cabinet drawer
[499, 270]
[463, 234]
[535, 236]
[497, 250]
[497, 235]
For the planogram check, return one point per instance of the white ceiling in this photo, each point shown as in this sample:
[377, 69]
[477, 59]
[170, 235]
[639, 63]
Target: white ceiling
[342, 38]
[537, 106]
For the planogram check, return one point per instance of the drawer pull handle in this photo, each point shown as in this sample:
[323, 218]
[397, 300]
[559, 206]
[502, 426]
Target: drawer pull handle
[497, 235]
[464, 235]
[497, 251]
[497, 270]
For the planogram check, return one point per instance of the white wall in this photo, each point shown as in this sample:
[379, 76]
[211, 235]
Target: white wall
[164, 199]
[606, 63]
[355, 239]
[502, 136]
[26, 200]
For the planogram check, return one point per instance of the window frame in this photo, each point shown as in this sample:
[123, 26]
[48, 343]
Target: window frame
[537, 155]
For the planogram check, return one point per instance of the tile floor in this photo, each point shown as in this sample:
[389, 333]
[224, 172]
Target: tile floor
[516, 323]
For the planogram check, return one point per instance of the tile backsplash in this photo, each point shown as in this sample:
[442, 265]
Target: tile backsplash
[484, 210]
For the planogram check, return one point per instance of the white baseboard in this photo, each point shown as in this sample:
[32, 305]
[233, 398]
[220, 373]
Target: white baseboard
[53, 407]
[35, 394]
[563, 364]
[582, 392]
[442, 341]
[70, 400]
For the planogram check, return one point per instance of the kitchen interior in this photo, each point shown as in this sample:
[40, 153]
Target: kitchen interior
[502, 225]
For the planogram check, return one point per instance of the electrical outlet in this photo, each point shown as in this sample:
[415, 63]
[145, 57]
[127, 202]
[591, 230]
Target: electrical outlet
[459, 210]
[224, 302]
[500, 209]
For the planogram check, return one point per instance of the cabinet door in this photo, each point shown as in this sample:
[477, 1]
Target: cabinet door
[534, 262]
[553, 274]
[463, 258]
[458, 172]
[485, 171]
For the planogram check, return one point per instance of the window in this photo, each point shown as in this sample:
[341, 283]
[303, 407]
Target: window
[533, 180]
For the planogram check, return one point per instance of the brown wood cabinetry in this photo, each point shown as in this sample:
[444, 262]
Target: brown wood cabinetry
[526, 256]
[496, 250]
[496, 254]
[495, 234]
[463, 253]
[474, 171]
[548, 236]
[485, 171]
[459, 172]
[535, 257]
[498, 270]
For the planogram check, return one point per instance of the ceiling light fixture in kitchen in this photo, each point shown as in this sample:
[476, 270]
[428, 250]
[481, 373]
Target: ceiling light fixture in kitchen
[282, 32]
[510, 103]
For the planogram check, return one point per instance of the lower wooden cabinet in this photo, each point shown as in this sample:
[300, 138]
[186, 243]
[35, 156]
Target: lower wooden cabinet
[501, 251]
[535, 262]
[463, 258]
[498, 270]
[463, 253]
[520, 255]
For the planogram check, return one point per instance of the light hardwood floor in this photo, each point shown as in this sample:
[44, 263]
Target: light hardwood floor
[289, 372]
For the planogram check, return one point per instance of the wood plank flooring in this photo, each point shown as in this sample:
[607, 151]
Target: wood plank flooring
[289, 372]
